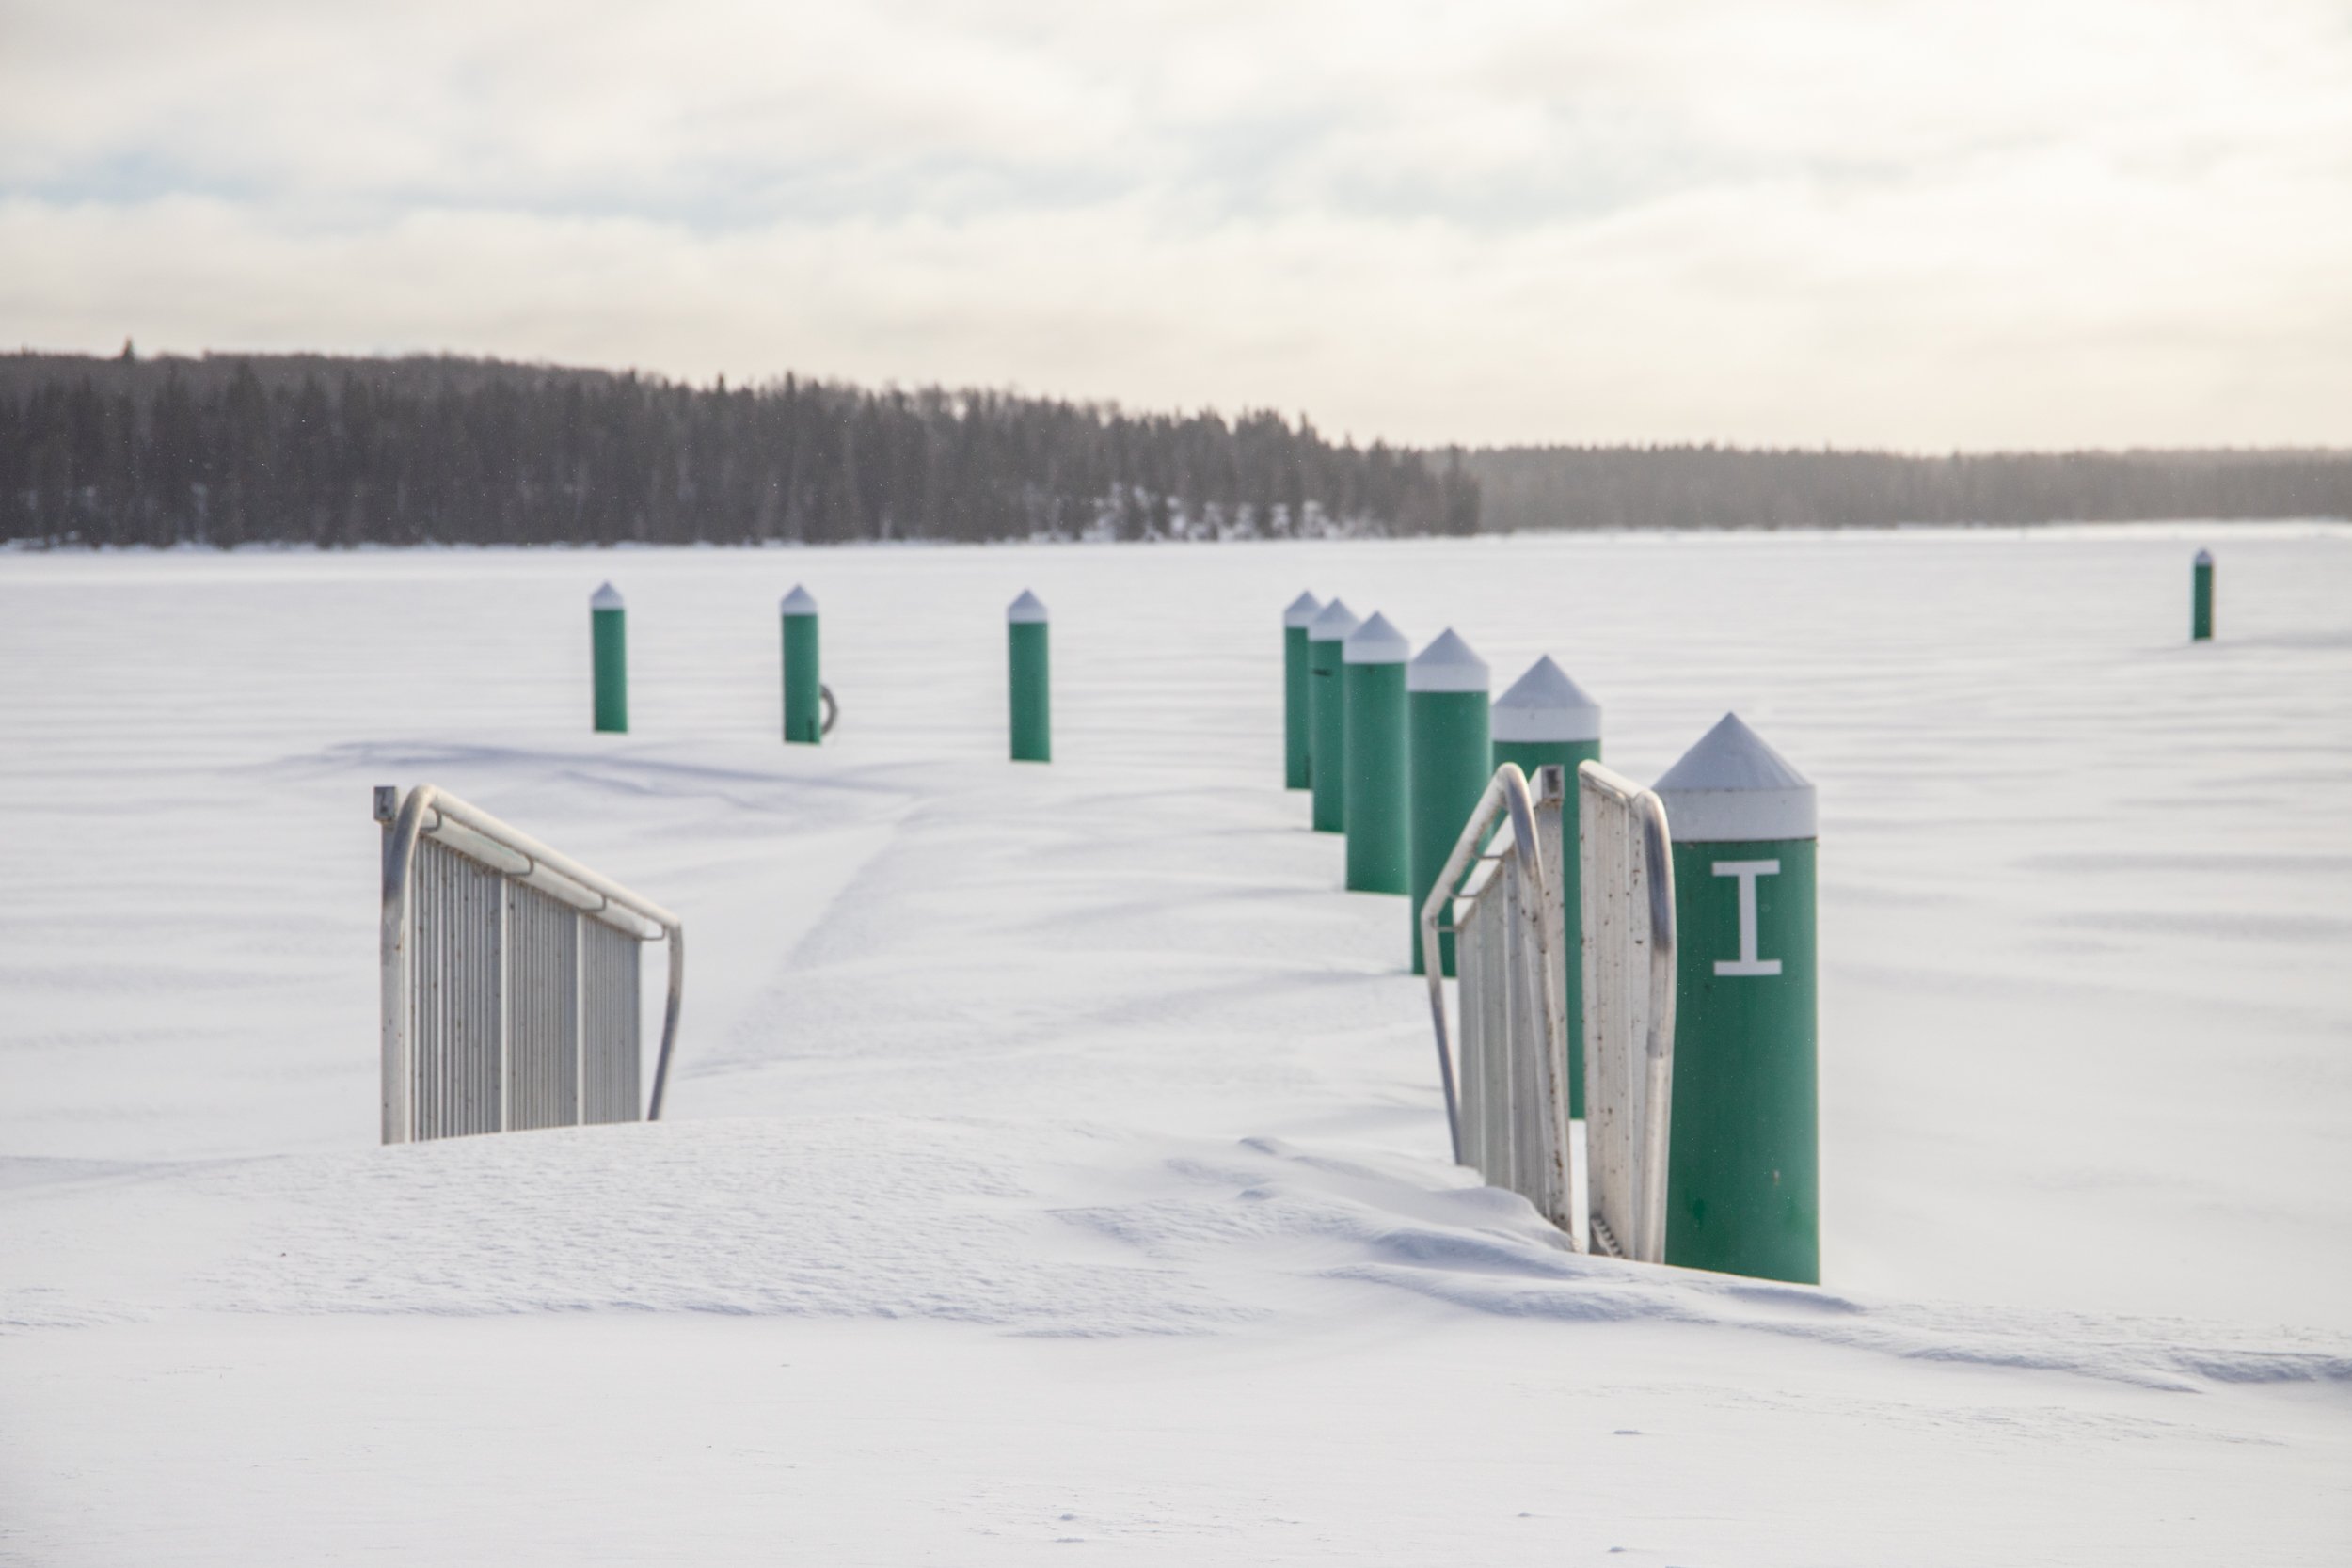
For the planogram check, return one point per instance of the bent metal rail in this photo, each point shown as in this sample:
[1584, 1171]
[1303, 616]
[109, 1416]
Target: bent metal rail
[1508, 1105]
[510, 978]
[1505, 1068]
[1627, 904]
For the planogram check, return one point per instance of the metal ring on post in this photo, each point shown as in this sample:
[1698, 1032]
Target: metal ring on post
[833, 710]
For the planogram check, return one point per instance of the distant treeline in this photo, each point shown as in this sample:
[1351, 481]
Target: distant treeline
[310, 450]
[1711, 486]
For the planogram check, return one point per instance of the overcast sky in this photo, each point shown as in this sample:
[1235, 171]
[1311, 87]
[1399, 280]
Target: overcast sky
[1984, 223]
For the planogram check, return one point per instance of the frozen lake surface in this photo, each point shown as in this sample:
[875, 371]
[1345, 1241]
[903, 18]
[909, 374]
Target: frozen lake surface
[1056, 1154]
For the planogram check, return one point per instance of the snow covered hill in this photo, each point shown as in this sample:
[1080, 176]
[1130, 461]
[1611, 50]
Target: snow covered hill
[1055, 1160]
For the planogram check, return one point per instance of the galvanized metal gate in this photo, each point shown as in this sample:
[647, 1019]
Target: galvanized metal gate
[1507, 1080]
[510, 978]
[1629, 919]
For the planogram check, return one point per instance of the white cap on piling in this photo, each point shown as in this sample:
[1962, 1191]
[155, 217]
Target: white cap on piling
[799, 602]
[2204, 558]
[607, 597]
[1732, 788]
[1029, 607]
[1302, 610]
[1377, 643]
[1448, 664]
[1545, 705]
[1332, 623]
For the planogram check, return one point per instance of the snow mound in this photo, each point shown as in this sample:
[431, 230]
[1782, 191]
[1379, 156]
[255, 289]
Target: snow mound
[983, 1222]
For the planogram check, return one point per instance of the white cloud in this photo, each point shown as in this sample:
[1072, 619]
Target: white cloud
[1927, 226]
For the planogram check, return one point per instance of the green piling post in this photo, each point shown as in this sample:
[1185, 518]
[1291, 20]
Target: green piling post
[1296, 617]
[1379, 858]
[1446, 731]
[608, 645]
[803, 688]
[1031, 680]
[1546, 721]
[1326, 715]
[1744, 1172]
[2201, 598]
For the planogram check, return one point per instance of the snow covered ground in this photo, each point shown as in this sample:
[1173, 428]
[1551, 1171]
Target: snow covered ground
[1056, 1161]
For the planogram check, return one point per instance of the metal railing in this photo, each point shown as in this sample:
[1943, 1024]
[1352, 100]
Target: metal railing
[1626, 857]
[1508, 1104]
[510, 978]
[1505, 1067]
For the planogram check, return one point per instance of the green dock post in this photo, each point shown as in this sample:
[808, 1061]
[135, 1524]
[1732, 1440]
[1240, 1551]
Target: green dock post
[1445, 721]
[1546, 721]
[1744, 1172]
[1031, 679]
[803, 687]
[608, 645]
[1326, 715]
[2201, 598]
[1378, 854]
[1295, 618]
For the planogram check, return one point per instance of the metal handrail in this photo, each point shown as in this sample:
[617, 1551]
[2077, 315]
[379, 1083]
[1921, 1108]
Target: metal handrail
[1648, 1241]
[1507, 794]
[480, 836]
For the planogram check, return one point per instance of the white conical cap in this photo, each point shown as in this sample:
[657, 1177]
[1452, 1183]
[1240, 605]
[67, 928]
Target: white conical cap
[2204, 558]
[607, 597]
[1332, 623]
[1027, 608]
[799, 602]
[1733, 788]
[1302, 610]
[1377, 643]
[1448, 664]
[1545, 707]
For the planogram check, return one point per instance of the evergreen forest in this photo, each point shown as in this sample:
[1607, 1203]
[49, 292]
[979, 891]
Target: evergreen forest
[1715, 487]
[310, 450]
[307, 449]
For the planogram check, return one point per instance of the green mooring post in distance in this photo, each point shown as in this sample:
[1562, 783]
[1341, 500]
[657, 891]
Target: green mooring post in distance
[1031, 679]
[1546, 721]
[1296, 617]
[1743, 1174]
[2201, 598]
[1326, 715]
[607, 652]
[1445, 722]
[1379, 858]
[803, 684]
